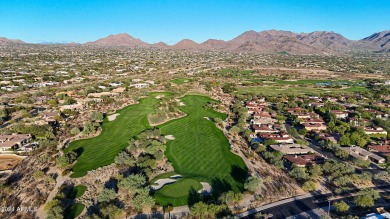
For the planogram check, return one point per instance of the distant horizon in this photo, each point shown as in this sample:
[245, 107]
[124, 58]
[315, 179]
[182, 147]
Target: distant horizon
[170, 44]
[169, 21]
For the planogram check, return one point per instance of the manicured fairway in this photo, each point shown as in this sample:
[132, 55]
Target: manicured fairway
[101, 150]
[200, 151]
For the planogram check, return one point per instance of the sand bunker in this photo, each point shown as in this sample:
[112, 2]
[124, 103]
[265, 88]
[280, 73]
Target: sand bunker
[159, 96]
[170, 137]
[206, 189]
[162, 182]
[112, 117]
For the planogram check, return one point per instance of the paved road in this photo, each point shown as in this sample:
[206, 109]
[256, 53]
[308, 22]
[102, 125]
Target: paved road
[306, 203]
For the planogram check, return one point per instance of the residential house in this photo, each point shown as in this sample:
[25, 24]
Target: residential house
[264, 129]
[13, 141]
[361, 153]
[340, 114]
[278, 137]
[314, 126]
[304, 160]
[292, 149]
[375, 130]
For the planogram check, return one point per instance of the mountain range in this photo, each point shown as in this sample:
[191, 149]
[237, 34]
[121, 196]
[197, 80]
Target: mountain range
[270, 41]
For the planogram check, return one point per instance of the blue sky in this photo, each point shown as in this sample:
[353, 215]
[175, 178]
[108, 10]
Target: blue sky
[80, 21]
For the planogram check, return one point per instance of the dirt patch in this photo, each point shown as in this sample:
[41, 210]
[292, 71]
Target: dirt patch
[8, 162]
[112, 117]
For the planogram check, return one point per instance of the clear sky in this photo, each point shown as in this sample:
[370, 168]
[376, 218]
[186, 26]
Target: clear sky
[37, 21]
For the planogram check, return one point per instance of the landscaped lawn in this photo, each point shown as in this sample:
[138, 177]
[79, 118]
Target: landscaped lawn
[76, 192]
[101, 150]
[177, 194]
[73, 211]
[200, 151]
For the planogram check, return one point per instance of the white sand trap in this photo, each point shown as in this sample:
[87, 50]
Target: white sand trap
[170, 137]
[162, 182]
[112, 117]
[159, 96]
[180, 103]
[177, 176]
[206, 188]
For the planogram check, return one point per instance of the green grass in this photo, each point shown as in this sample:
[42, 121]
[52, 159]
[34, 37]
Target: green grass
[181, 80]
[200, 150]
[76, 192]
[273, 90]
[301, 81]
[101, 150]
[357, 89]
[177, 194]
[73, 211]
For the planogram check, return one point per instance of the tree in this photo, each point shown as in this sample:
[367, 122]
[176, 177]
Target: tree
[111, 211]
[202, 210]
[299, 173]
[309, 186]
[124, 158]
[315, 171]
[344, 140]
[38, 174]
[132, 183]
[366, 198]
[252, 184]
[230, 198]
[75, 131]
[229, 88]
[55, 212]
[234, 130]
[96, 116]
[106, 195]
[361, 163]
[341, 153]
[69, 101]
[63, 162]
[341, 206]
[364, 201]
[143, 200]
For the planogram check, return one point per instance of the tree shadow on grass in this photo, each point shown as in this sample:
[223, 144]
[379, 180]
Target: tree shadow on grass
[239, 174]
[193, 197]
[220, 186]
[79, 151]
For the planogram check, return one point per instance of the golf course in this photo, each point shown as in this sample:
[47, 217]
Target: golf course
[101, 150]
[200, 152]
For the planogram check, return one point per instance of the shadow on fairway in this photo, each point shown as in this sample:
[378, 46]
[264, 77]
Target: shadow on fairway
[220, 186]
[193, 196]
[239, 174]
